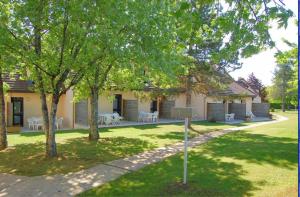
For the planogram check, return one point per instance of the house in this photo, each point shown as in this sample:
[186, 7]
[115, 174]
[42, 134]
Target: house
[242, 82]
[23, 103]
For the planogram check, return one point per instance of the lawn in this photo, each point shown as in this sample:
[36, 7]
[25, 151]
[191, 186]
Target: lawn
[26, 153]
[261, 161]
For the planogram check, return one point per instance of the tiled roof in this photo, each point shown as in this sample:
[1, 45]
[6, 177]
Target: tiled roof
[18, 85]
[234, 89]
[245, 84]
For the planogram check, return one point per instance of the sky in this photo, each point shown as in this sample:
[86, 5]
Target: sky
[263, 64]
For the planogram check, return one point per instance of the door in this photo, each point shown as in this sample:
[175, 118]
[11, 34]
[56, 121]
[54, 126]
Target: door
[117, 104]
[153, 107]
[18, 111]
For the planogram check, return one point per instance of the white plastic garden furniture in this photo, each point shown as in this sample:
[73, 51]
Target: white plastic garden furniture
[155, 116]
[116, 118]
[141, 116]
[229, 117]
[59, 122]
[108, 119]
[30, 123]
[37, 123]
[251, 115]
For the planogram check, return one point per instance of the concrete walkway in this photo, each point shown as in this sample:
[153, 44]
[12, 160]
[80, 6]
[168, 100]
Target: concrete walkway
[74, 183]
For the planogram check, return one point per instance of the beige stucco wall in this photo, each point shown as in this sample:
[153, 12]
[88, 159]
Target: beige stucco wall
[180, 100]
[106, 101]
[144, 105]
[257, 99]
[105, 104]
[198, 105]
[32, 107]
[68, 109]
[248, 101]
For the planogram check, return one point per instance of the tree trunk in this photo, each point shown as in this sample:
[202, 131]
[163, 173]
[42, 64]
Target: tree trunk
[283, 102]
[3, 132]
[94, 134]
[50, 142]
[188, 94]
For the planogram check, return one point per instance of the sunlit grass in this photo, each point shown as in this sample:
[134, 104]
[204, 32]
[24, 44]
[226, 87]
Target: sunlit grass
[261, 161]
[25, 156]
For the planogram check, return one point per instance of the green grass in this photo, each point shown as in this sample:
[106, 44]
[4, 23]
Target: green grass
[261, 161]
[26, 153]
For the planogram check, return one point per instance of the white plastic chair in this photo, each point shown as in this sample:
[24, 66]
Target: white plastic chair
[251, 115]
[59, 122]
[38, 122]
[155, 116]
[141, 116]
[232, 116]
[30, 123]
[229, 117]
[116, 118]
[108, 119]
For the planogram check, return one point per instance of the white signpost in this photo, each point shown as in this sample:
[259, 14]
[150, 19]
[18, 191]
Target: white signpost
[185, 150]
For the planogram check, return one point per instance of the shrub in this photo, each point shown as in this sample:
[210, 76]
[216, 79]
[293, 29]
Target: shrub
[275, 105]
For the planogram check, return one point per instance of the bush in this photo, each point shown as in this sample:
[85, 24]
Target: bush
[278, 106]
[272, 109]
[275, 105]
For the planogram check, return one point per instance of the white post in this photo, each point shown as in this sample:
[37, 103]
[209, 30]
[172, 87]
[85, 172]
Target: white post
[185, 150]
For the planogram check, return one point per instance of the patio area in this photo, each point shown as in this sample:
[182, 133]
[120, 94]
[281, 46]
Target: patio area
[125, 123]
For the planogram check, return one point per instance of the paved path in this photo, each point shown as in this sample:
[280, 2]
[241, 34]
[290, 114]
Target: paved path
[74, 183]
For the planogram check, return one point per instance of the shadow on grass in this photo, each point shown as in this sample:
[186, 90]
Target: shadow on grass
[171, 135]
[256, 148]
[174, 135]
[208, 173]
[207, 177]
[74, 154]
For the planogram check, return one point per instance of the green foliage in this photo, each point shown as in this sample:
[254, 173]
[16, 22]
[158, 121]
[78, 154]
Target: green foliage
[257, 85]
[215, 35]
[135, 53]
[286, 77]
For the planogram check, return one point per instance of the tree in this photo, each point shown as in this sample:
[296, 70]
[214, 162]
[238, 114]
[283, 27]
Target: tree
[217, 34]
[285, 80]
[49, 38]
[124, 48]
[282, 74]
[8, 64]
[257, 85]
[3, 131]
